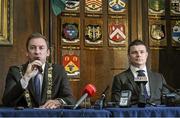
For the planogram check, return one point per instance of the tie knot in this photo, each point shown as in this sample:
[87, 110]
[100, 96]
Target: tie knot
[141, 73]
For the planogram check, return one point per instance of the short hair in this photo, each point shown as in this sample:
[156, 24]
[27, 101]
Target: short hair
[36, 35]
[137, 42]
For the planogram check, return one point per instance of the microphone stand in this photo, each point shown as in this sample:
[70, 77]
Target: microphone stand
[171, 89]
[152, 104]
[171, 98]
[100, 103]
[142, 100]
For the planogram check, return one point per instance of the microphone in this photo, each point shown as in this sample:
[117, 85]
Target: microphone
[141, 81]
[89, 91]
[100, 102]
[171, 89]
[103, 95]
[171, 98]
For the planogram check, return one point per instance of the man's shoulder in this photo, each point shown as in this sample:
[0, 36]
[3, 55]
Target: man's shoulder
[123, 73]
[57, 66]
[154, 73]
[16, 67]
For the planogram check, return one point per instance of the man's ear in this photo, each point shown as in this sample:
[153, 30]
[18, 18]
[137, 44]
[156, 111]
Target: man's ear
[27, 54]
[128, 56]
[147, 54]
[48, 52]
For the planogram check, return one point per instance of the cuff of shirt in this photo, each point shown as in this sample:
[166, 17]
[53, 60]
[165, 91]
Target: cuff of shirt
[24, 83]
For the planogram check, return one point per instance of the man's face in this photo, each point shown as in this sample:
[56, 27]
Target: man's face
[38, 50]
[138, 55]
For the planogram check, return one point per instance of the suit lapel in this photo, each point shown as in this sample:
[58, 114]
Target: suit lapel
[150, 77]
[44, 87]
[31, 88]
[30, 85]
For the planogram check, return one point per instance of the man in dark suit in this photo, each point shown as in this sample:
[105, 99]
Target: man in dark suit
[137, 55]
[50, 89]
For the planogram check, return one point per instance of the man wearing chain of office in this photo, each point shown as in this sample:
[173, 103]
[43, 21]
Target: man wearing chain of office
[37, 83]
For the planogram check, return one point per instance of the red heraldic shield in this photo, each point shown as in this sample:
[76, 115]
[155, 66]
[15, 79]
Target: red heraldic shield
[71, 64]
[117, 32]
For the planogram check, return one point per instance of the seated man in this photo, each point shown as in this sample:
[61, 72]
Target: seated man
[37, 83]
[138, 54]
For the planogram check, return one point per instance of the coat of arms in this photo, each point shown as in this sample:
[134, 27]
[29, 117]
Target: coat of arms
[156, 6]
[70, 33]
[72, 5]
[157, 31]
[71, 63]
[117, 33]
[93, 5]
[93, 34]
[117, 5]
[175, 6]
[176, 32]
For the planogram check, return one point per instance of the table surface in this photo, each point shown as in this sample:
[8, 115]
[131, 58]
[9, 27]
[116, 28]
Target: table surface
[159, 111]
[35, 112]
[106, 112]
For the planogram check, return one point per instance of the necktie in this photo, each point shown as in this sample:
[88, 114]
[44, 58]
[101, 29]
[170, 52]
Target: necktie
[37, 86]
[141, 73]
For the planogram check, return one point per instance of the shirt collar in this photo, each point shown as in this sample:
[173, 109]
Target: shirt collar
[135, 69]
[43, 67]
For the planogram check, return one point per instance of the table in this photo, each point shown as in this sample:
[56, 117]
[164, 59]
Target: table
[11, 112]
[158, 111]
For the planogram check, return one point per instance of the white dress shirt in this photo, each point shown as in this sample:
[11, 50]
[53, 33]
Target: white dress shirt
[135, 73]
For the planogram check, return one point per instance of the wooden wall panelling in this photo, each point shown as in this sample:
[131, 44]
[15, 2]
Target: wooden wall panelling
[164, 56]
[99, 63]
[133, 21]
[25, 22]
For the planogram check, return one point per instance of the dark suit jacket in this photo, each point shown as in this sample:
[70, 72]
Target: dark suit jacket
[125, 81]
[13, 94]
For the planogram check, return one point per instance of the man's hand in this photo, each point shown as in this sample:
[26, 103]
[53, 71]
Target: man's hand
[51, 104]
[32, 69]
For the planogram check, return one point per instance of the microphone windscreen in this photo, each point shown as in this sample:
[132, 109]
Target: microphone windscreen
[90, 90]
[141, 79]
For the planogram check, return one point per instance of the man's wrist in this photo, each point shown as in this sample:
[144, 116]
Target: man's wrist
[24, 82]
[61, 101]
